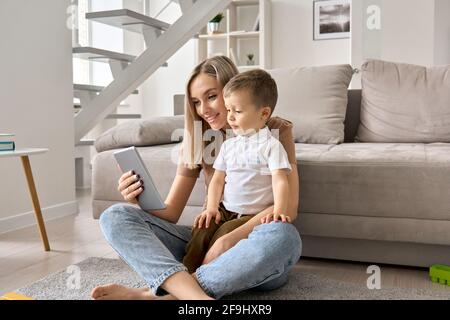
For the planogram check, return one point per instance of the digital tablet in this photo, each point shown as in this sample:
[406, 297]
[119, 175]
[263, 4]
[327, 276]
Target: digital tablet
[129, 159]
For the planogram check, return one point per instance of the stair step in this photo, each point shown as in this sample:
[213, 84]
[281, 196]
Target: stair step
[92, 88]
[124, 116]
[77, 105]
[126, 19]
[245, 2]
[85, 142]
[90, 53]
[100, 55]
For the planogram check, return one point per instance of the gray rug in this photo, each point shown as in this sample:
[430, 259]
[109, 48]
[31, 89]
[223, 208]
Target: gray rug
[301, 285]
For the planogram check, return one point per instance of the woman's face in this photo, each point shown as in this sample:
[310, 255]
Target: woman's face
[207, 99]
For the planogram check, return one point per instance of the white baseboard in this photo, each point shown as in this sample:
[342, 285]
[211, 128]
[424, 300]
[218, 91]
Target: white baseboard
[29, 219]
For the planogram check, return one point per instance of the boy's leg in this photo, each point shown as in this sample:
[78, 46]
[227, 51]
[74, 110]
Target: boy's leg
[227, 227]
[201, 238]
[198, 246]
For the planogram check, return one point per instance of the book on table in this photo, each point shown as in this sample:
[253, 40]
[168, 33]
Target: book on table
[7, 146]
[7, 142]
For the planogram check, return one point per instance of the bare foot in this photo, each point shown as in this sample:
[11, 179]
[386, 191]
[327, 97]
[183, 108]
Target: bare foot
[118, 292]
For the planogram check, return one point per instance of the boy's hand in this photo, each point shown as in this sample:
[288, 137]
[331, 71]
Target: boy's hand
[275, 217]
[205, 217]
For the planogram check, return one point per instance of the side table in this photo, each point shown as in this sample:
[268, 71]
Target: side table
[23, 154]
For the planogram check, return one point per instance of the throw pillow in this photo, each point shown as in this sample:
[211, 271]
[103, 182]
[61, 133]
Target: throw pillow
[314, 99]
[404, 103]
[140, 133]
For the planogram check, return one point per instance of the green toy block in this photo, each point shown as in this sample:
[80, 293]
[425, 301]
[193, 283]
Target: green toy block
[440, 273]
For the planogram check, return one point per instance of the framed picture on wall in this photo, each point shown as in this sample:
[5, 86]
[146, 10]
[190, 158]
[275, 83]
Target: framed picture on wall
[331, 19]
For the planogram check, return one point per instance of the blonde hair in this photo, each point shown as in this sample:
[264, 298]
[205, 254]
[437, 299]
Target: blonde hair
[222, 69]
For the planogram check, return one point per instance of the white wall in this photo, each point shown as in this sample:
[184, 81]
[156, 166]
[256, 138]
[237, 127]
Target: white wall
[159, 89]
[442, 32]
[292, 37]
[36, 105]
[412, 31]
[408, 31]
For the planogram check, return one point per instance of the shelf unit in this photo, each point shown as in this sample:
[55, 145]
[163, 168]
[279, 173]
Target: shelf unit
[237, 37]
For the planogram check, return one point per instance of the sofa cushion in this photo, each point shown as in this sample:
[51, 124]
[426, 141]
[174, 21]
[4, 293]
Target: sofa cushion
[375, 179]
[404, 103]
[315, 100]
[154, 131]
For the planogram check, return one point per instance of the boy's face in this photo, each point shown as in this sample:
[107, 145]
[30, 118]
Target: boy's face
[243, 116]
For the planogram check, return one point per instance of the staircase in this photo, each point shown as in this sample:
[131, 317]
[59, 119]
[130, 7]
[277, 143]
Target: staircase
[161, 40]
[117, 61]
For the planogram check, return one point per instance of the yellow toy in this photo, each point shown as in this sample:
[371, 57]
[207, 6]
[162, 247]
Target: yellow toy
[14, 296]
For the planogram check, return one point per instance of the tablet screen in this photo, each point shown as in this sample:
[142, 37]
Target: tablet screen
[129, 159]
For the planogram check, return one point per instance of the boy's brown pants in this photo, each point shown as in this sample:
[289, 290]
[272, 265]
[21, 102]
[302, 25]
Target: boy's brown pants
[203, 239]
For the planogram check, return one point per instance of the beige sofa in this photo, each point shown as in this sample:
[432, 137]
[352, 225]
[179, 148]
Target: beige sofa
[361, 201]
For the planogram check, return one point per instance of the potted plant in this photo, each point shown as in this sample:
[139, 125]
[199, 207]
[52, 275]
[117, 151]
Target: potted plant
[250, 61]
[213, 24]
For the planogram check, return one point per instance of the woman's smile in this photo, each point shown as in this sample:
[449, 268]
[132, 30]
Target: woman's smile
[212, 119]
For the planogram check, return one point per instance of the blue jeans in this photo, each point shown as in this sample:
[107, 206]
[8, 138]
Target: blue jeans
[154, 248]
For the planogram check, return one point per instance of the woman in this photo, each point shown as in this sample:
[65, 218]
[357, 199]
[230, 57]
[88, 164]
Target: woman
[153, 245]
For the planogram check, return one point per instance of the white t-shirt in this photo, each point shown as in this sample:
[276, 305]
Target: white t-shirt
[248, 162]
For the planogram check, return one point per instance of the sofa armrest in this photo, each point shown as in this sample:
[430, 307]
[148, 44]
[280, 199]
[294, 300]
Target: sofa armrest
[140, 133]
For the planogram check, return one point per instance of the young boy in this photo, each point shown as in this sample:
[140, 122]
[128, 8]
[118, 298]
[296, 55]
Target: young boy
[251, 168]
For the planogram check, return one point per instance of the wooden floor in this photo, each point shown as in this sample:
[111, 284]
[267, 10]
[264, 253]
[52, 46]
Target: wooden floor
[77, 237]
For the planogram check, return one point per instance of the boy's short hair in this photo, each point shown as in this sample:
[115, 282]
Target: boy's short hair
[258, 83]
